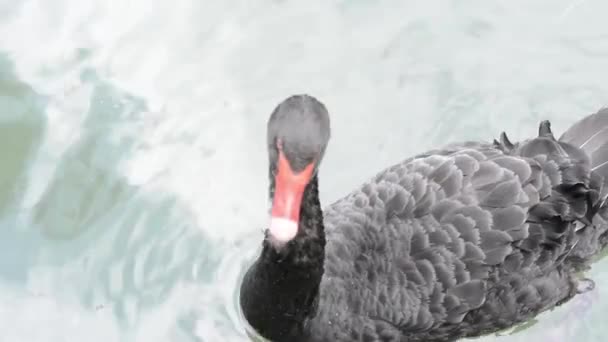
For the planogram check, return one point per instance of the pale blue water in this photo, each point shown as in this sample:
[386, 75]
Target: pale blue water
[133, 168]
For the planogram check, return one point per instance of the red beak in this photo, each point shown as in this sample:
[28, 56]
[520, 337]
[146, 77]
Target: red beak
[289, 188]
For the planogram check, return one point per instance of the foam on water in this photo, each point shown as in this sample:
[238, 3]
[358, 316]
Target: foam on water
[37, 318]
[210, 73]
[146, 197]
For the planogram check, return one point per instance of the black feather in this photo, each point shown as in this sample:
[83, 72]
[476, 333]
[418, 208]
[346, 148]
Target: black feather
[456, 242]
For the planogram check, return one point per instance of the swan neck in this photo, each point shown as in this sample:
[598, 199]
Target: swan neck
[280, 291]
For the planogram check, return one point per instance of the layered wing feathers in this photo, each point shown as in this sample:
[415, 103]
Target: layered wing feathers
[478, 229]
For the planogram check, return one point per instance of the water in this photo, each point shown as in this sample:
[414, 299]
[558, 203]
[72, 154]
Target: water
[133, 177]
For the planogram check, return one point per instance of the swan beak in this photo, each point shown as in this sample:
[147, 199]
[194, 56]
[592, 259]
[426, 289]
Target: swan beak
[289, 189]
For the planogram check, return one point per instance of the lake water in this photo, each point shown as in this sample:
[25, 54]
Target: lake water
[132, 139]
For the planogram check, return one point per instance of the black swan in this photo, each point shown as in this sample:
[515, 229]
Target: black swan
[460, 241]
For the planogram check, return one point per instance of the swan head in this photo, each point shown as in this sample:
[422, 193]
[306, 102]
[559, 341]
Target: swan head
[298, 132]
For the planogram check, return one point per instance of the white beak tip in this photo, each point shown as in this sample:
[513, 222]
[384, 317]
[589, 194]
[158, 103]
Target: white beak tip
[283, 230]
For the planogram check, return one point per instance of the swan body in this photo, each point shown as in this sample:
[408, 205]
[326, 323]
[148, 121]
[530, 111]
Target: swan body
[456, 242]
